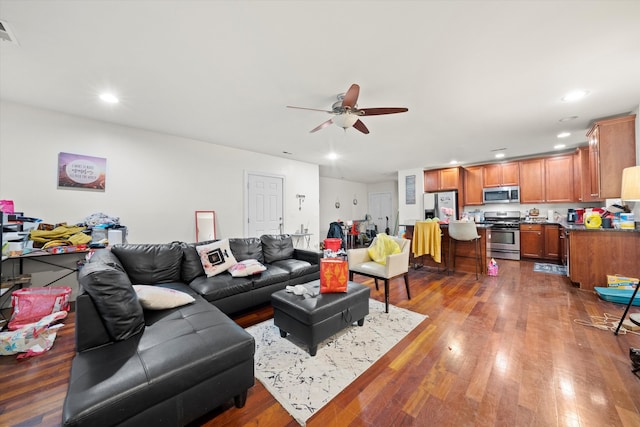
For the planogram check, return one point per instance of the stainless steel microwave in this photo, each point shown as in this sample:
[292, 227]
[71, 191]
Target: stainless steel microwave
[501, 195]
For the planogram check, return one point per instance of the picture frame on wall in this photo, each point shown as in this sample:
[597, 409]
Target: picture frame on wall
[410, 190]
[77, 171]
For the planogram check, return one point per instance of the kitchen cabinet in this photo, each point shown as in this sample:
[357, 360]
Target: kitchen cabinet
[552, 242]
[547, 180]
[442, 179]
[532, 181]
[582, 176]
[473, 184]
[540, 241]
[501, 174]
[612, 147]
[531, 241]
[595, 253]
[558, 174]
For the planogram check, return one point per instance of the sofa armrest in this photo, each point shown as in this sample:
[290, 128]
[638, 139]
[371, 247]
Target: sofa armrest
[90, 331]
[312, 257]
[358, 256]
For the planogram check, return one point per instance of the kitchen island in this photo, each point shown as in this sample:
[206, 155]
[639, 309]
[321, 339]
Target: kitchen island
[594, 253]
[464, 251]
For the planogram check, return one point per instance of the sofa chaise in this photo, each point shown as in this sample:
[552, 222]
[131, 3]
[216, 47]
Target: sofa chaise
[139, 366]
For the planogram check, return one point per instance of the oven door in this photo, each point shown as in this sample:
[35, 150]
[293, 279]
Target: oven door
[504, 243]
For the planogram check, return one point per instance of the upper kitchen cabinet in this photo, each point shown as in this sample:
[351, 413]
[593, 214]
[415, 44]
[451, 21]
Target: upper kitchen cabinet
[547, 180]
[473, 185]
[611, 149]
[582, 176]
[532, 181]
[501, 174]
[442, 179]
[558, 175]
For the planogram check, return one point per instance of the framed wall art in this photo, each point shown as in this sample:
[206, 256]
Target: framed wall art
[410, 190]
[81, 172]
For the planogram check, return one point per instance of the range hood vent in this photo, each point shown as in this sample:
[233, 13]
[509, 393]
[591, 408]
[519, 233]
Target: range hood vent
[6, 35]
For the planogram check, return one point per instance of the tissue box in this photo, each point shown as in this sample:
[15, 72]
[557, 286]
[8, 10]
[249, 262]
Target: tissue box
[621, 281]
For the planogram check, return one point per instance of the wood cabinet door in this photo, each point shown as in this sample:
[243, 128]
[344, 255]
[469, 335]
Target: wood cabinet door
[594, 164]
[430, 180]
[449, 179]
[552, 242]
[531, 241]
[583, 176]
[473, 185]
[492, 175]
[532, 189]
[510, 174]
[616, 151]
[559, 179]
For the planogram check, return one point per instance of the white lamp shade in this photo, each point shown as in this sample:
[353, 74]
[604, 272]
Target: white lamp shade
[631, 184]
[345, 120]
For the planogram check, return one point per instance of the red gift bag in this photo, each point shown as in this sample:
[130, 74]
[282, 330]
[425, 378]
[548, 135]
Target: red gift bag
[32, 304]
[333, 275]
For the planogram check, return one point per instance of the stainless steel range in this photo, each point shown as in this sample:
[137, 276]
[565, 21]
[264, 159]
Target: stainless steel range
[505, 234]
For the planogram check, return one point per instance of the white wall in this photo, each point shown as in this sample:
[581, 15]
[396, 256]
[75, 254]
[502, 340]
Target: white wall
[337, 190]
[409, 214]
[154, 181]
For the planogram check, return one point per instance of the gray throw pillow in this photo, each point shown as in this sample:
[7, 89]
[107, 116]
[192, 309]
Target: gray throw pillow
[114, 298]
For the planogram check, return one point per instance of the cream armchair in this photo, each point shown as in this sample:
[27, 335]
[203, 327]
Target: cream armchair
[397, 265]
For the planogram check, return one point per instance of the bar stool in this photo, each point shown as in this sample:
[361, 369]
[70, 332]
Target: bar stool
[464, 232]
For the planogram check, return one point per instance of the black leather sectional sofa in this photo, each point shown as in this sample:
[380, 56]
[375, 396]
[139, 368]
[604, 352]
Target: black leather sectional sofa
[137, 367]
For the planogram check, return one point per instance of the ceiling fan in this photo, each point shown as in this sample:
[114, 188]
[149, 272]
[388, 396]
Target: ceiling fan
[347, 114]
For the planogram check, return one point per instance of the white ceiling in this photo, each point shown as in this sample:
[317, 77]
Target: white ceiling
[476, 76]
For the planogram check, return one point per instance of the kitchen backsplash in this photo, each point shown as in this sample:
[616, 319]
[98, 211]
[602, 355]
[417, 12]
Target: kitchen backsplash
[543, 208]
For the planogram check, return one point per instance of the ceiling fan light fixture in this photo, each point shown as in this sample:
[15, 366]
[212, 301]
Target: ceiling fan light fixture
[345, 120]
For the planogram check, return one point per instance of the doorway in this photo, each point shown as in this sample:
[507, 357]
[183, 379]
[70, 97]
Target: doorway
[380, 209]
[264, 204]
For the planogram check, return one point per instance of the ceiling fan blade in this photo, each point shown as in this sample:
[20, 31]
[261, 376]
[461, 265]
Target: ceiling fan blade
[360, 126]
[380, 111]
[322, 126]
[311, 109]
[351, 97]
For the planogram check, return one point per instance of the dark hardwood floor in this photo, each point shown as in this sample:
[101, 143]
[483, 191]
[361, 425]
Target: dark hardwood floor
[502, 351]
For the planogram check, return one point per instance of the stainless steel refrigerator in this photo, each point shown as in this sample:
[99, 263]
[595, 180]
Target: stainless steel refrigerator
[434, 202]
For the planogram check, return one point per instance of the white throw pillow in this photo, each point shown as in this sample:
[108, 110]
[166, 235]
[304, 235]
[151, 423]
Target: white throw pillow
[247, 268]
[216, 257]
[159, 298]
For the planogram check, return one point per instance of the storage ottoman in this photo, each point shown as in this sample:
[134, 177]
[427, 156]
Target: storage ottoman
[315, 317]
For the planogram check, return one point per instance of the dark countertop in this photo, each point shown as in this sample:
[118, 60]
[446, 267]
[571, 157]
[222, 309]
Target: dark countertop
[447, 225]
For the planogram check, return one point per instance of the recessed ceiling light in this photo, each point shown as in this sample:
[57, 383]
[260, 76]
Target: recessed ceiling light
[109, 98]
[453, 162]
[499, 155]
[566, 119]
[332, 156]
[559, 146]
[574, 95]
[563, 134]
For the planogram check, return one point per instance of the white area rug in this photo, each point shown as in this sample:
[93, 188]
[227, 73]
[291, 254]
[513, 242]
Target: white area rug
[304, 384]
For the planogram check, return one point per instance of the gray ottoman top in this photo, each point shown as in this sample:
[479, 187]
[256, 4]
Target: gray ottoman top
[311, 310]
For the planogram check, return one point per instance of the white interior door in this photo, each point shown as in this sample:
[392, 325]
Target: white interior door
[265, 205]
[380, 210]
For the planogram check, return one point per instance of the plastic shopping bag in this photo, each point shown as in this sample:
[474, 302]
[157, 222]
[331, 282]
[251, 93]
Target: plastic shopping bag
[29, 305]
